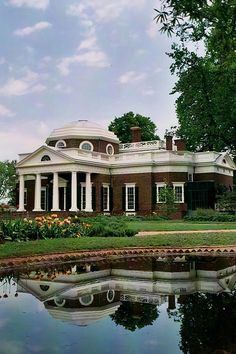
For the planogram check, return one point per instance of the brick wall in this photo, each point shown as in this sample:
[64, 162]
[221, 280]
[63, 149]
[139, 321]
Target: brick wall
[98, 145]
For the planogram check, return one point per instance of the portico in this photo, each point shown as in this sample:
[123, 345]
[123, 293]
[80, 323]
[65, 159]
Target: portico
[58, 183]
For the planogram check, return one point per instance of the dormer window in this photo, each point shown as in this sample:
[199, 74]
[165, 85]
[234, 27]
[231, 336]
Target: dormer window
[86, 145]
[61, 144]
[46, 158]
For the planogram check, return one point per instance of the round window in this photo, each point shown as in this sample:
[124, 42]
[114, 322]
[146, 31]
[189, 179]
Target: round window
[86, 145]
[110, 295]
[59, 301]
[86, 300]
[60, 144]
[110, 149]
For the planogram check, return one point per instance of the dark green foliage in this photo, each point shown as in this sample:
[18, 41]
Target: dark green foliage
[206, 86]
[121, 127]
[133, 315]
[8, 180]
[210, 215]
[227, 201]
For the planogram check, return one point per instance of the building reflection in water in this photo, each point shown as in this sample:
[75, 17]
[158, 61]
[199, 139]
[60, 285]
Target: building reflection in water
[199, 291]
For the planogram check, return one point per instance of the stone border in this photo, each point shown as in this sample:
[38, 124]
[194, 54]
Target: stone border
[95, 255]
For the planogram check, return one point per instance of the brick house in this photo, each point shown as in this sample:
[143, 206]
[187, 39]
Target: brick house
[84, 167]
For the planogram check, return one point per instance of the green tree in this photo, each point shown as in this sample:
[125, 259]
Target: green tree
[133, 315]
[7, 180]
[121, 127]
[206, 86]
[167, 199]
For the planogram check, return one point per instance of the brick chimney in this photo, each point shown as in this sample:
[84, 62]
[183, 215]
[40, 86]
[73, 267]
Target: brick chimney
[136, 134]
[169, 139]
[180, 144]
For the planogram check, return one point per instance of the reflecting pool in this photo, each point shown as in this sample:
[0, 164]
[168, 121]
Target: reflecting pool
[161, 305]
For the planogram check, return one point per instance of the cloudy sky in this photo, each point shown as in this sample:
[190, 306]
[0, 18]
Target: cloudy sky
[64, 60]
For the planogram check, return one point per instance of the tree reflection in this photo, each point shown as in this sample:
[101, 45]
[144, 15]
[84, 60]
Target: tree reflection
[133, 315]
[208, 323]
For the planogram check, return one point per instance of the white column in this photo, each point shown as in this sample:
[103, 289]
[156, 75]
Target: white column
[73, 191]
[21, 193]
[37, 193]
[88, 194]
[55, 193]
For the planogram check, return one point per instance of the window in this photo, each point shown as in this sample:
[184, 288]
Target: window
[83, 196]
[130, 197]
[161, 192]
[179, 192]
[60, 144]
[105, 197]
[45, 158]
[110, 149]
[86, 300]
[190, 177]
[86, 145]
[25, 196]
[44, 198]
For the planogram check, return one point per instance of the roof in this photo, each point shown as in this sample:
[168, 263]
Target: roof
[82, 129]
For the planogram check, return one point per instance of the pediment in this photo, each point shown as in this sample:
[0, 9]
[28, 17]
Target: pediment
[44, 156]
[225, 160]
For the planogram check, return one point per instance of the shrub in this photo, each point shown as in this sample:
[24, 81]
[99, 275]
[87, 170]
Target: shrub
[210, 215]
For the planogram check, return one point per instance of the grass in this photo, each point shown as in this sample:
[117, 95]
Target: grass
[169, 225]
[11, 249]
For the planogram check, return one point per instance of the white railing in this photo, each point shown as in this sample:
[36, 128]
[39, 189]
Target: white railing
[143, 145]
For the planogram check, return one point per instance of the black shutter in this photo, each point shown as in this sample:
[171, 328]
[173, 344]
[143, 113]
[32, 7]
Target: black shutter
[136, 198]
[79, 197]
[123, 198]
[111, 198]
[94, 198]
[154, 195]
[102, 206]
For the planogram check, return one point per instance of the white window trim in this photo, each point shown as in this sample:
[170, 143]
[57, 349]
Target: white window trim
[86, 142]
[82, 184]
[128, 185]
[107, 147]
[179, 184]
[107, 185]
[44, 189]
[159, 184]
[60, 141]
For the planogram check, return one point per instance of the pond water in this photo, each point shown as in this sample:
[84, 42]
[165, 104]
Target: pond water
[161, 305]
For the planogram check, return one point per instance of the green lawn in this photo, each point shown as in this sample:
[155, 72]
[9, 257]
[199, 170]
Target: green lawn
[174, 225]
[66, 245]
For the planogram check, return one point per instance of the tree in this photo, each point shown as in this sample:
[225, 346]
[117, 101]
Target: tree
[134, 315]
[206, 86]
[121, 127]
[7, 180]
[167, 199]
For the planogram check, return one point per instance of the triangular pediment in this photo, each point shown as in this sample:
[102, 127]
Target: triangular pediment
[38, 157]
[225, 160]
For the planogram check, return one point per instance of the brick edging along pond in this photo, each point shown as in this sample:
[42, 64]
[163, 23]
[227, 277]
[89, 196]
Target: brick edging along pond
[89, 256]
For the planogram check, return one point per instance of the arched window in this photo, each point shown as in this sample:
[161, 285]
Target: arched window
[61, 144]
[45, 158]
[86, 145]
[110, 149]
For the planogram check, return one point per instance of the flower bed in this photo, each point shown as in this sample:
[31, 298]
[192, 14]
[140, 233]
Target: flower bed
[51, 226]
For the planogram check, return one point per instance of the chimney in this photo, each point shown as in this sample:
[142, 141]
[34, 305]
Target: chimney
[169, 142]
[180, 144]
[136, 134]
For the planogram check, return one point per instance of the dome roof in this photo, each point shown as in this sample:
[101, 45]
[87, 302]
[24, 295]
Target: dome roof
[82, 129]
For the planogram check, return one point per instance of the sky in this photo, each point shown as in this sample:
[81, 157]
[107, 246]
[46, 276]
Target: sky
[65, 60]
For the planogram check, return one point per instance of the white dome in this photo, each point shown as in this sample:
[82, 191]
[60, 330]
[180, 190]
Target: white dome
[82, 129]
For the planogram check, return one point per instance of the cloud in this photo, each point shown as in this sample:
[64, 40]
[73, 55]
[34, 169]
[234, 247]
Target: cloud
[88, 54]
[2, 61]
[5, 112]
[34, 4]
[130, 77]
[30, 83]
[26, 31]
[103, 10]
